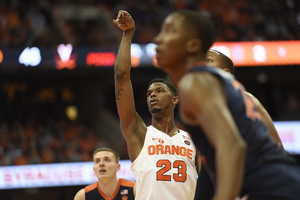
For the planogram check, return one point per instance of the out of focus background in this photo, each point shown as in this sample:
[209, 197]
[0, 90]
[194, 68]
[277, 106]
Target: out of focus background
[57, 101]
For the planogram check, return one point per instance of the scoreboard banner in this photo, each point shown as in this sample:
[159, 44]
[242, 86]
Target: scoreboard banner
[261, 53]
[64, 56]
[289, 133]
[54, 175]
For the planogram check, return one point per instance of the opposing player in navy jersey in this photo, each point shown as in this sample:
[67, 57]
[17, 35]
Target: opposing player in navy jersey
[217, 59]
[108, 186]
[241, 157]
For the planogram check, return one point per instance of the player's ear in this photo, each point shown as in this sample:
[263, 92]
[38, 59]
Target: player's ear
[118, 167]
[175, 100]
[193, 45]
[227, 70]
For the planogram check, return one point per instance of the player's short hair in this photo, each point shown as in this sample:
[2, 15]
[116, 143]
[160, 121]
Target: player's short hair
[202, 26]
[227, 61]
[164, 81]
[117, 156]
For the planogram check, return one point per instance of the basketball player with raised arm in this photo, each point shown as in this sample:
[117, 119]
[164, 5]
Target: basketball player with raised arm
[163, 156]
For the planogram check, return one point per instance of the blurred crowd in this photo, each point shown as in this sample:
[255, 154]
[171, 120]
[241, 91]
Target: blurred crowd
[41, 137]
[89, 22]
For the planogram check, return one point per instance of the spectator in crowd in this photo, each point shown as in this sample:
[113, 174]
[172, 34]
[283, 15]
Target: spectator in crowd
[52, 22]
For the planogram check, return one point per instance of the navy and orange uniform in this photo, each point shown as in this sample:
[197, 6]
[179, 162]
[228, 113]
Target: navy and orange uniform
[124, 191]
[269, 172]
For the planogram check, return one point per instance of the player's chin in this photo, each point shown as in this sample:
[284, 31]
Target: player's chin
[164, 62]
[155, 110]
[158, 58]
[103, 176]
[160, 63]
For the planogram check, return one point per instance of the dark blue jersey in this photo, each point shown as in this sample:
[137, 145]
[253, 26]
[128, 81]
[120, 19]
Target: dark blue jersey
[262, 150]
[124, 191]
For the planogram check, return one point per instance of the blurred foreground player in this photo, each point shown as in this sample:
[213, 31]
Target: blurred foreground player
[241, 157]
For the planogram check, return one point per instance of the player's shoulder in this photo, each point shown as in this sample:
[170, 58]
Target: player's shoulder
[195, 86]
[183, 132]
[192, 81]
[126, 182]
[187, 137]
[251, 96]
[91, 187]
[80, 195]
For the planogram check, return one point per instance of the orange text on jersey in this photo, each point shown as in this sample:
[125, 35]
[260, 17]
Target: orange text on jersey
[168, 149]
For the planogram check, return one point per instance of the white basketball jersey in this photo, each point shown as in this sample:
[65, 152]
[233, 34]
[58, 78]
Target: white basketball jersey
[165, 168]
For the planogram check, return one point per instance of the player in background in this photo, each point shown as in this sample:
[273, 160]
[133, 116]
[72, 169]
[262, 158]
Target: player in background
[108, 186]
[163, 156]
[217, 59]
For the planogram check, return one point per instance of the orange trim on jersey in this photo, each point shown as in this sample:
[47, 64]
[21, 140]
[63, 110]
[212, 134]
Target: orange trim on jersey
[91, 187]
[114, 194]
[126, 183]
[121, 181]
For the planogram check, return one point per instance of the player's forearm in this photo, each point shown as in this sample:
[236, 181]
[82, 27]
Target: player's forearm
[230, 170]
[123, 60]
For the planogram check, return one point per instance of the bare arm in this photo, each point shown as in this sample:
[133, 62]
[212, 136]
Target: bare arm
[198, 161]
[134, 189]
[267, 120]
[80, 195]
[204, 104]
[132, 126]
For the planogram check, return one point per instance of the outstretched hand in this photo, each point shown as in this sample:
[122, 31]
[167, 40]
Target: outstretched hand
[124, 21]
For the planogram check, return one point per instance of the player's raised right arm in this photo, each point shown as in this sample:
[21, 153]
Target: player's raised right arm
[132, 126]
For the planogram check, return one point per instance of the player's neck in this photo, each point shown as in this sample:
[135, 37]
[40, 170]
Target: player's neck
[177, 72]
[166, 127]
[176, 75]
[108, 187]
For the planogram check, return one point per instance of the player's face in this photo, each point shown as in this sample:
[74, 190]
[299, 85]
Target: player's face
[105, 165]
[171, 42]
[158, 97]
[212, 58]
